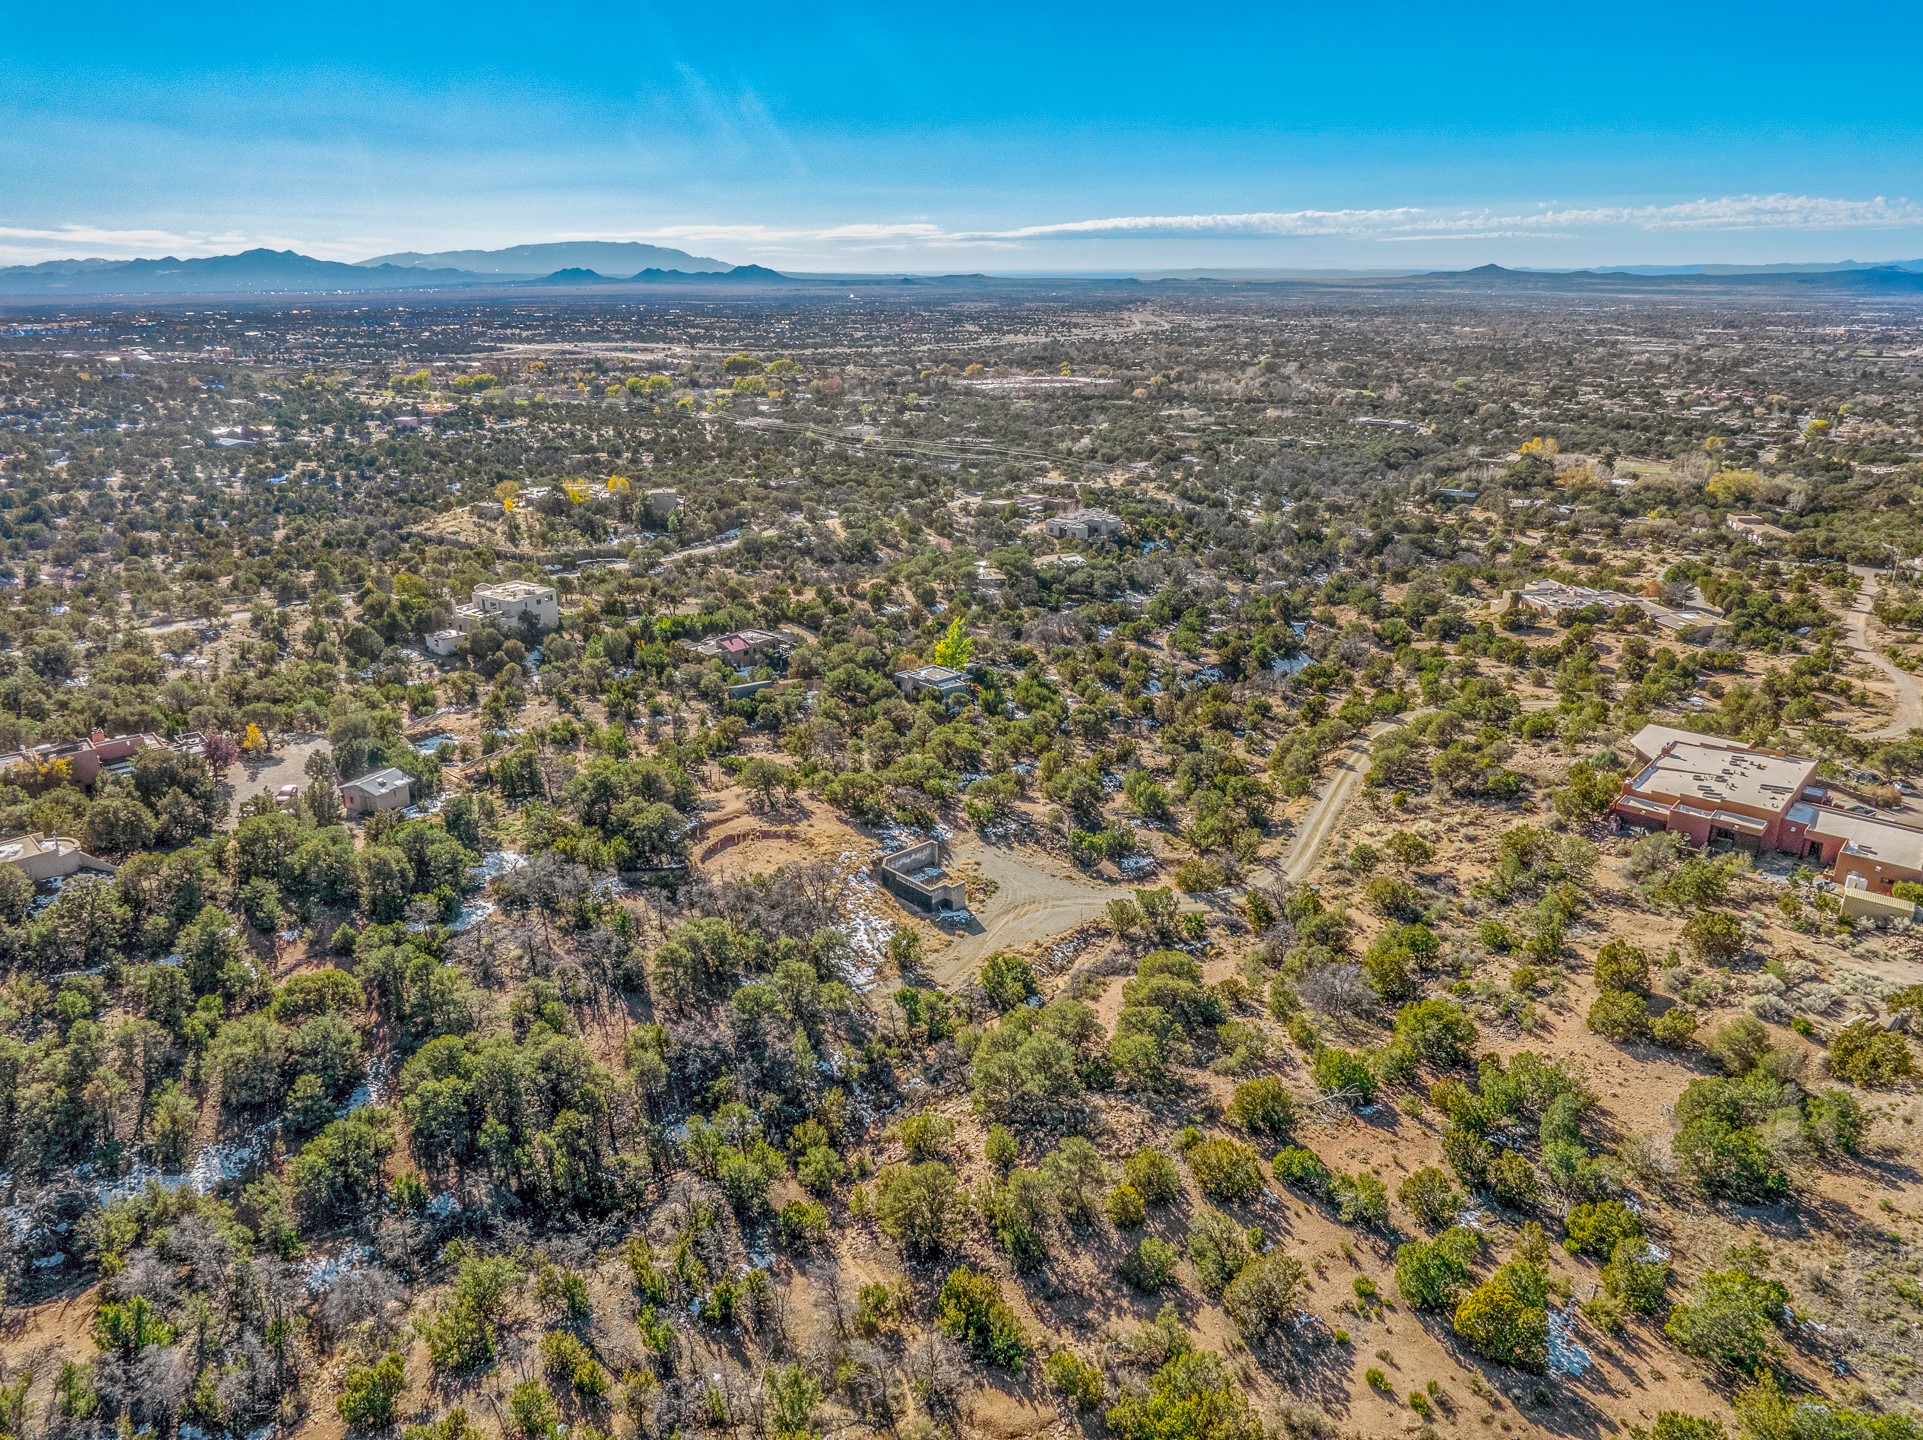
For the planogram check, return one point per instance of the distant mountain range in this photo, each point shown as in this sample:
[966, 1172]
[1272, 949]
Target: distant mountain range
[268, 272]
[285, 272]
[531, 262]
[252, 272]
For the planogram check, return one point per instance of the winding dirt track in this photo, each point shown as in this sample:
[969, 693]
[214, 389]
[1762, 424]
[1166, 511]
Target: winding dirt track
[1856, 621]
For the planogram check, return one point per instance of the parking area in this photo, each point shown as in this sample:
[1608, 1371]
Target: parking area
[286, 766]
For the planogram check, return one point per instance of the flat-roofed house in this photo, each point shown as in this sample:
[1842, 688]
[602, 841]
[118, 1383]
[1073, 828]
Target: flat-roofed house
[1082, 525]
[1756, 529]
[1714, 793]
[84, 758]
[743, 648]
[1859, 850]
[388, 789]
[1554, 598]
[506, 602]
[939, 680]
[1724, 792]
[48, 857]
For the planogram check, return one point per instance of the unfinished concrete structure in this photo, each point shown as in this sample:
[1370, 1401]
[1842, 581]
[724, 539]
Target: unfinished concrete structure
[915, 876]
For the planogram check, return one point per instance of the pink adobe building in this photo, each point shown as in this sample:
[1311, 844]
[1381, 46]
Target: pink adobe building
[84, 759]
[1724, 793]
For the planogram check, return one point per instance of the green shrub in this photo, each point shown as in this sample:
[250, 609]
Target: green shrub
[1713, 937]
[1674, 1028]
[1506, 1319]
[1431, 1196]
[999, 1149]
[1834, 1120]
[1673, 1425]
[465, 1331]
[1728, 1162]
[925, 1134]
[1513, 1181]
[1192, 1397]
[1360, 1199]
[1619, 1015]
[1622, 966]
[1125, 1206]
[919, 1206]
[1262, 1297]
[1153, 1173]
[875, 1308]
[1343, 1072]
[1864, 1053]
[1594, 1229]
[970, 1309]
[1438, 1032]
[803, 1225]
[1738, 1045]
[1393, 897]
[1226, 1169]
[568, 1361]
[820, 1169]
[1635, 1277]
[1076, 1380]
[1729, 1319]
[1263, 1106]
[368, 1392]
[1764, 1412]
[1218, 1248]
[1303, 1170]
[1008, 980]
[1151, 1264]
[1430, 1274]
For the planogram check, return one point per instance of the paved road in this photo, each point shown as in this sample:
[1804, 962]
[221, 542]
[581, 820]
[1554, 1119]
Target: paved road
[1856, 621]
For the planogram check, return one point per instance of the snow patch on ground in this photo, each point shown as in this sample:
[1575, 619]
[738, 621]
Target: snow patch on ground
[1567, 1354]
[325, 1271]
[213, 1167]
[864, 909]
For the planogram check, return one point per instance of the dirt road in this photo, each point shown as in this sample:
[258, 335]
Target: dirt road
[1325, 815]
[1033, 900]
[1856, 622]
[1312, 836]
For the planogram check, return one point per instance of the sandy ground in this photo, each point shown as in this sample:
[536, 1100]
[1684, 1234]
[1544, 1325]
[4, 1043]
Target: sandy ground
[286, 766]
[1036, 897]
[1856, 621]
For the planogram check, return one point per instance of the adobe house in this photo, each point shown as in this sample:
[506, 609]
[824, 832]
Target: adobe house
[388, 789]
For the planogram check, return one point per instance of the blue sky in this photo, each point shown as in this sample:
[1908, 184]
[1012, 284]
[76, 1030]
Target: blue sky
[994, 137]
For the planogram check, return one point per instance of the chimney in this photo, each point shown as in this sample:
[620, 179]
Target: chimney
[99, 736]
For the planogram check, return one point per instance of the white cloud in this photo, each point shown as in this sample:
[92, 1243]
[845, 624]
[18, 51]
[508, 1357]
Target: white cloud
[1393, 224]
[1548, 221]
[1728, 212]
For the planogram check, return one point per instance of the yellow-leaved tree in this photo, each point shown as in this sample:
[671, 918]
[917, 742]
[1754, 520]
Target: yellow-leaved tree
[955, 649]
[1735, 484]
